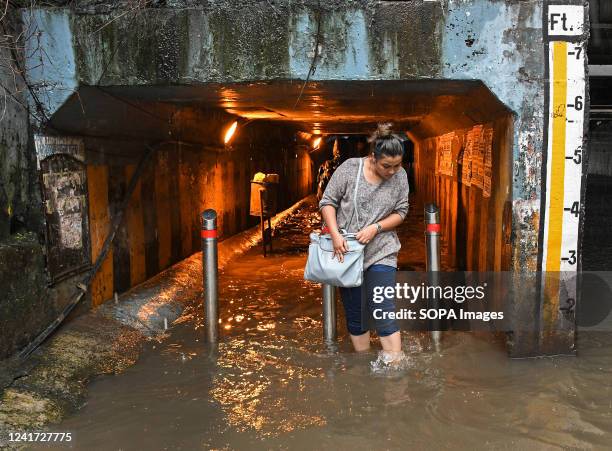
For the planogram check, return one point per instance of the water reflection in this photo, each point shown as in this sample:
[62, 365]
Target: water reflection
[253, 385]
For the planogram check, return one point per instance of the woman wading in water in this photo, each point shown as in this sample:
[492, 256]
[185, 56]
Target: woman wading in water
[382, 202]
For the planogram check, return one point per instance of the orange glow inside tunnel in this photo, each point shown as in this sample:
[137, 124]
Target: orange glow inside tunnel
[230, 132]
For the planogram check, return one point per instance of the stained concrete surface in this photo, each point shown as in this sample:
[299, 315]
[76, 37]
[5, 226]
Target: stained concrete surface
[23, 292]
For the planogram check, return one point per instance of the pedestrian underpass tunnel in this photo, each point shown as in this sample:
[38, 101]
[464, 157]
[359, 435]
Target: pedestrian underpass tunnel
[461, 158]
[468, 82]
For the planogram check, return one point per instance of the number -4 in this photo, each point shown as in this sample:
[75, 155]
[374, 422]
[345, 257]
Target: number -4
[574, 209]
[571, 259]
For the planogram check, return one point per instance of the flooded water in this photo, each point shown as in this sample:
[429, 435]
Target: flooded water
[273, 384]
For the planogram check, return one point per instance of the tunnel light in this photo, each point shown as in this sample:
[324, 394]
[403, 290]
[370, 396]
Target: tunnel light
[304, 135]
[230, 132]
[316, 143]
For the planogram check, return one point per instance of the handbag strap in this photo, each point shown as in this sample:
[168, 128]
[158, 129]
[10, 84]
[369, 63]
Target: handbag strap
[355, 212]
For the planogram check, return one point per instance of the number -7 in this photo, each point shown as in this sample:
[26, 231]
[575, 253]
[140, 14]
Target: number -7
[578, 52]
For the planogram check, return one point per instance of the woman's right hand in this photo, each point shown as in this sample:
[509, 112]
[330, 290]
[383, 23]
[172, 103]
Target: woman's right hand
[340, 245]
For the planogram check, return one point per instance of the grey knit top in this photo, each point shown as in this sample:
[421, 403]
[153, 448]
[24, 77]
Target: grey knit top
[375, 202]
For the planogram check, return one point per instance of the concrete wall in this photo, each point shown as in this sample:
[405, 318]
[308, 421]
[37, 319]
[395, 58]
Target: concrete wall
[18, 184]
[24, 292]
[23, 279]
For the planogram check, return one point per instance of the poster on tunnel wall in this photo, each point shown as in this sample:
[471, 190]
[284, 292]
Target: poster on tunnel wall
[64, 191]
[488, 162]
[436, 149]
[478, 159]
[466, 167]
[477, 156]
[445, 154]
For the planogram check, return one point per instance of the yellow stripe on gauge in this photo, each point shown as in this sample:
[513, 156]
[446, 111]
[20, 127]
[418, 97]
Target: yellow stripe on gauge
[557, 163]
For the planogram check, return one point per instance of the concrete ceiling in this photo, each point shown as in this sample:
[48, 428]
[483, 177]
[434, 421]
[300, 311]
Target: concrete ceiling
[424, 108]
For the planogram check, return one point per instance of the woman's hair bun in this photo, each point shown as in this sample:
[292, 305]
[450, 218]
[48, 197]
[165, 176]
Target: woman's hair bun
[383, 131]
[384, 142]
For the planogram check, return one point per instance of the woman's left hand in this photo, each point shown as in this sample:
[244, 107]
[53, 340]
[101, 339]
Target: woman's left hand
[365, 235]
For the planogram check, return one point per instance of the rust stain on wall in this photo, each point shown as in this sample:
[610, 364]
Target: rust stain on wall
[526, 219]
[99, 226]
[162, 197]
[184, 180]
[135, 221]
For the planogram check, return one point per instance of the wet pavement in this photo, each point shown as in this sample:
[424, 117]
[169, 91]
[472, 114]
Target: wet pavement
[273, 384]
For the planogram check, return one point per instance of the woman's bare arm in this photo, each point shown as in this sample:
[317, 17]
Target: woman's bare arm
[391, 221]
[328, 212]
[370, 231]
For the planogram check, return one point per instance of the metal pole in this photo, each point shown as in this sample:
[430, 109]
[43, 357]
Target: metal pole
[432, 242]
[432, 236]
[210, 271]
[262, 221]
[329, 313]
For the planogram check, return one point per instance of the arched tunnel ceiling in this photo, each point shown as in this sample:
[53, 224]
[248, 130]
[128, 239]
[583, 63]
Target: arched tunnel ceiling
[424, 108]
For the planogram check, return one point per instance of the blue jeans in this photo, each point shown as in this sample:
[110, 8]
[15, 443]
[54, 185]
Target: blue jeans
[352, 301]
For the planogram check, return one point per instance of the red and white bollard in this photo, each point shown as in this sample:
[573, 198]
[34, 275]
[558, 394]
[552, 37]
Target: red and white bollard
[210, 274]
[432, 243]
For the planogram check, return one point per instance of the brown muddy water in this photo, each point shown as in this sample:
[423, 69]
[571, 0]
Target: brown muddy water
[273, 384]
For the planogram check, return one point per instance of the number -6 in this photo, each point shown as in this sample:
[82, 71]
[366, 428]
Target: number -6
[578, 103]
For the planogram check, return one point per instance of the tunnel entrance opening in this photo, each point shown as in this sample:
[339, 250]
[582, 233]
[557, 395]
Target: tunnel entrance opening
[461, 158]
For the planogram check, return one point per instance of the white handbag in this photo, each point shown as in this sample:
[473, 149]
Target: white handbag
[323, 267]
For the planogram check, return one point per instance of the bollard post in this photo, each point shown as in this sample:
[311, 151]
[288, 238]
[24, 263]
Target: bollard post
[432, 242]
[329, 313]
[210, 272]
[432, 236]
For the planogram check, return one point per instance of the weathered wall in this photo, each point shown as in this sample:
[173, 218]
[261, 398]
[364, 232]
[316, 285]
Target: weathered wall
[23, 281]
[509, 58]
[24, 292]
[14, 165]
[475, 227]
[18, 194]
